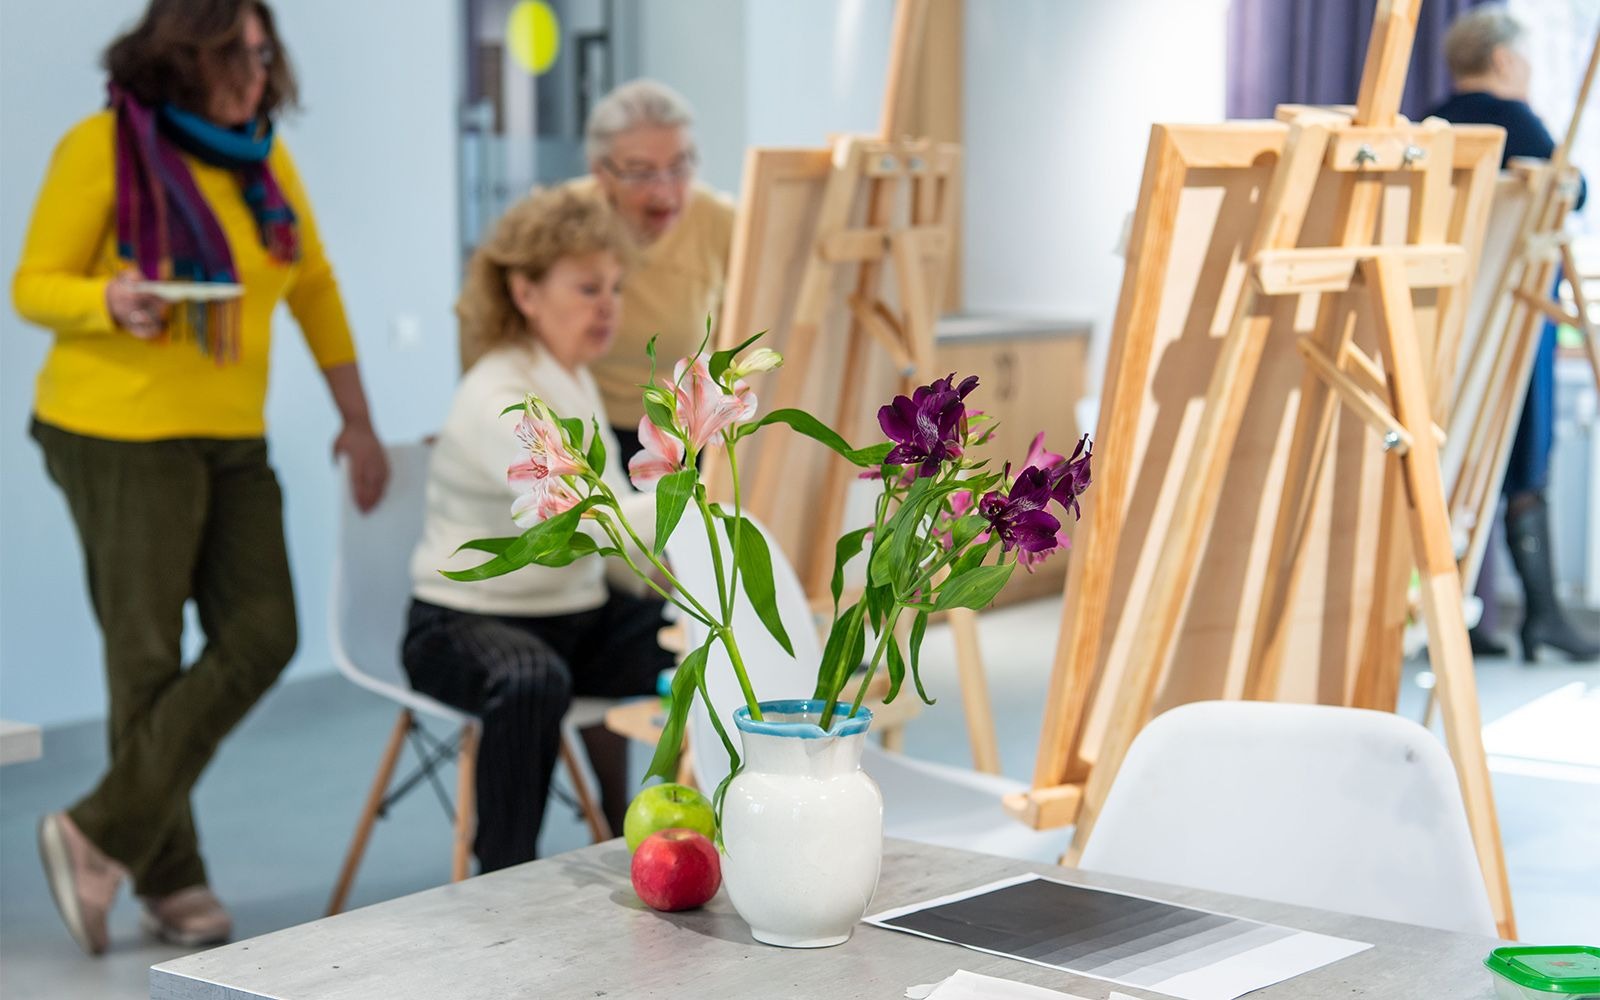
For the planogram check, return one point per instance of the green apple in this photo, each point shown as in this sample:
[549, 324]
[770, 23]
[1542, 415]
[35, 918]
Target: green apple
[665, 807]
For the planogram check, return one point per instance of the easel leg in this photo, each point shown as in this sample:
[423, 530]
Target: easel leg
[1377, 683]
[1450, 651]
[1580, 305]
[974, 691]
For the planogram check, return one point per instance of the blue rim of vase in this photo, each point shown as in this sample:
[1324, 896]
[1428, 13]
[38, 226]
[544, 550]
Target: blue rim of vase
[844, 724]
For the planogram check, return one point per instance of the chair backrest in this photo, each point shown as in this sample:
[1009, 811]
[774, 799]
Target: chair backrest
[1338, 808]
[371, 586]
[773, 673]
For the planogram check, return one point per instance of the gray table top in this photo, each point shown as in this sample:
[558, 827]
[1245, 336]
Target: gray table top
[570, 926]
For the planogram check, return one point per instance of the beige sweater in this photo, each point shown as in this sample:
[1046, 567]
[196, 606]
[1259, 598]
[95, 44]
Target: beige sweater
[468, 496]
[669, 290]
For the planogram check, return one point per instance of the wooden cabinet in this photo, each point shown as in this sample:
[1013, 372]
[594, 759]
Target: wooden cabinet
[1032, 373]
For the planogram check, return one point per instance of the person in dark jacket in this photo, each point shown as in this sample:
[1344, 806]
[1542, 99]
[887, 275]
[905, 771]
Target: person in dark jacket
[1491, 88]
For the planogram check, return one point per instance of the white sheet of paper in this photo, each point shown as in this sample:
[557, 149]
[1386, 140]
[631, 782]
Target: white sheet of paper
[1290, 954]
[966, 985]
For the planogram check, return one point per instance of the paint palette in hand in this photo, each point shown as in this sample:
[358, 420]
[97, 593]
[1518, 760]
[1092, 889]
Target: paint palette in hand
[191, 291]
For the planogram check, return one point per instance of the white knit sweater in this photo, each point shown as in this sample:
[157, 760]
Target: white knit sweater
[469, 496]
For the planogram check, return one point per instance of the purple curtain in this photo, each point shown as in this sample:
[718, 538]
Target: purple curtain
[1311, 52]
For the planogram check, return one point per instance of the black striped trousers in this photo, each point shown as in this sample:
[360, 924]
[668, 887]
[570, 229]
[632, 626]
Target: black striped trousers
[518, 675]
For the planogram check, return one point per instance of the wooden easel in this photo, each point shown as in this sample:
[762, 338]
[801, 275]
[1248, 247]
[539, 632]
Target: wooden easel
[866, 228]
[1362, 228]
[1503, 353]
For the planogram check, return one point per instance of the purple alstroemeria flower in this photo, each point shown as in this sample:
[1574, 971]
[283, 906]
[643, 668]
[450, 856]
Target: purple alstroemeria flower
[1020, 517]
[1071, 478]
[927, 427]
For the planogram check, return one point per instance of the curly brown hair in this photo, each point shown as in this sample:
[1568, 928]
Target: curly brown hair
[164, 57]
[533, 234]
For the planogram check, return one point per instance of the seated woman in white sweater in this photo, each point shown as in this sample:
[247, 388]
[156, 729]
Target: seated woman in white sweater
[540, 303]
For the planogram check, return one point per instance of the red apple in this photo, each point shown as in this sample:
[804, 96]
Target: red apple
[676, 870]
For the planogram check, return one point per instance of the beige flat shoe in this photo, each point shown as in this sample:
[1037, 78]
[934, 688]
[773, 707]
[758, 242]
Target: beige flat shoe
[83, 880]
[188, 918]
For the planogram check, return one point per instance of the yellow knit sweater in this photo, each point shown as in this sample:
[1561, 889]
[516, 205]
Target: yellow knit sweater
[101, 381]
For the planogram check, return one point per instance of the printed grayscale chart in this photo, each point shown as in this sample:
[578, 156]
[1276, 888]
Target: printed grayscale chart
[1122, 938]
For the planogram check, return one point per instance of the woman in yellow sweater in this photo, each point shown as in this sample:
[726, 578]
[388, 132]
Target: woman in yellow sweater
[150, 418]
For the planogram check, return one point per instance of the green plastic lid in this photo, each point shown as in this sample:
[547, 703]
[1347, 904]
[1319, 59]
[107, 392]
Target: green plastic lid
[1562, 969]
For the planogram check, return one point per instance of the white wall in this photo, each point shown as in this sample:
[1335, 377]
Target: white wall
[697, 47]
[1060, 97]
[376, 147]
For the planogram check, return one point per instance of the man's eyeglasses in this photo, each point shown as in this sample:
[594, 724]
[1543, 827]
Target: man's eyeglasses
[679, 172]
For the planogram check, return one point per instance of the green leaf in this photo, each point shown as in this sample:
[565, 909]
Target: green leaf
[974, 588]
[880, 601]
[514, 408]
[720, 794]
[664, 763]
[572, 431]
[880, 566]
[736, 765]
[672, 498]
[722, 359]
[659, 413]
[755, 573]
[969, 560]
[966, 528]
[811, 427]
[891, 555]
[548, 543]
[597, 449]
[897, 669]
[493, 546]
[841, 655]
[845, 549]
[919, 627]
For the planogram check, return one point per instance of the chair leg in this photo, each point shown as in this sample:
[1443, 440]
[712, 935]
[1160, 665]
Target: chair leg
[599, 829]
[369, 812]
[466, 802]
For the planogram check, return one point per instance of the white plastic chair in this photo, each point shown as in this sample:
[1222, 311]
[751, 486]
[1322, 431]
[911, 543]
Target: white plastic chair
[1338, 808]
[922, 801]
[368, 597]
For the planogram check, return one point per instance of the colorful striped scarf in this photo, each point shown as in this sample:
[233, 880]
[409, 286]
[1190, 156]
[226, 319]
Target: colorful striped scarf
[165, 227]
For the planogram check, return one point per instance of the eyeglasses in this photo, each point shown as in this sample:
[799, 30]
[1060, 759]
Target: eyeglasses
[263, 55]
[679, 172]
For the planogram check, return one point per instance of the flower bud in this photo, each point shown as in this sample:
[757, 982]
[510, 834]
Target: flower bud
[762, 359]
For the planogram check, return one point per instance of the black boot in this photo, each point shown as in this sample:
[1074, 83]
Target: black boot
[1528, 536]
[1484, 644]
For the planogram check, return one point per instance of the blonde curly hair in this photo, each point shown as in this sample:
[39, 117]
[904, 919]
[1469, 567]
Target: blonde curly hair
[536, 232]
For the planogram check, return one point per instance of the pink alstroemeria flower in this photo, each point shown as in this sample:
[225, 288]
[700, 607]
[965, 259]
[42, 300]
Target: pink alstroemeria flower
[539, 476]
[662, 454]
[548, 454]
[705, 409]
[544, 499]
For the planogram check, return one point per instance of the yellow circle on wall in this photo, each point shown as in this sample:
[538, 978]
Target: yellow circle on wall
[533, 34]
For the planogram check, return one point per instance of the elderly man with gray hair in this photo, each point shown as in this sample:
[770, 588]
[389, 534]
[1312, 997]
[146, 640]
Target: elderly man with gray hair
[642, 161]
[1484, 51]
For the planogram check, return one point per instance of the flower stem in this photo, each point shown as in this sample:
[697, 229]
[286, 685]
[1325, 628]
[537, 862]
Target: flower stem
[872, 666]
[699, 610]
[733, 582]
[725, 633]
[667, 595]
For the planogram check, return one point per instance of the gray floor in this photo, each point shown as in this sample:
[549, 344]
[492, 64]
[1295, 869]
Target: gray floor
[277, 806]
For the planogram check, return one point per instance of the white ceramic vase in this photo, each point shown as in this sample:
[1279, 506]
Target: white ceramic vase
[802, 826]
